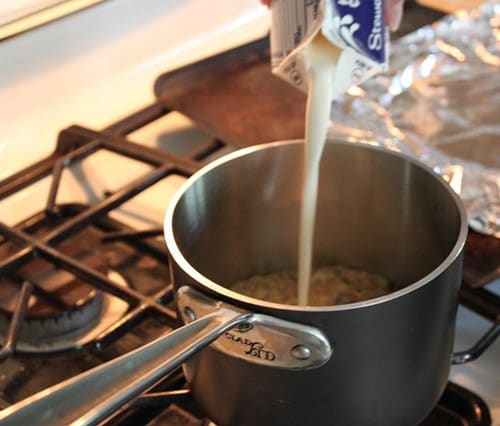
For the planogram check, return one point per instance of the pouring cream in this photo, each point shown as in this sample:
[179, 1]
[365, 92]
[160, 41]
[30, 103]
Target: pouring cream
[337, 44]
[320, 57]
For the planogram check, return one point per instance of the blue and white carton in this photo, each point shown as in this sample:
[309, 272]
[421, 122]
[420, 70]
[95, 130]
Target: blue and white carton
[355, 27]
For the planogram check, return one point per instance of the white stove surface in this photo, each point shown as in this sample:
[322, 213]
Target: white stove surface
[481, 376]
[99, 65]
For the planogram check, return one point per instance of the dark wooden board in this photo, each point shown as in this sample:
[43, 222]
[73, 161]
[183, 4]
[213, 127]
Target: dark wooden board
[235, 97]
[482, 260]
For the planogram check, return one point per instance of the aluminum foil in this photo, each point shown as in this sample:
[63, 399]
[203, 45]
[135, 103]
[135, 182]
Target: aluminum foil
[439, 102]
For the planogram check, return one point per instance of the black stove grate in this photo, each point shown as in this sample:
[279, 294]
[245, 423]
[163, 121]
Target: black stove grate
[74, 144]
[150, 310]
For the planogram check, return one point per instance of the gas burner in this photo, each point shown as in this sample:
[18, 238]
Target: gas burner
[61, 304]
[111, 309]
[56, 333]
[63, 312]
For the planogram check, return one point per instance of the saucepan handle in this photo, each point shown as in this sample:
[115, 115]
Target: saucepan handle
[90, 397]
[479, 347]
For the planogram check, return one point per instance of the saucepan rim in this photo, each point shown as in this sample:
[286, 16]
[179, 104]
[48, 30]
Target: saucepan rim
[227, 293]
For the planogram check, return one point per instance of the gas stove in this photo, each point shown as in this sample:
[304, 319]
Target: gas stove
[82, 260]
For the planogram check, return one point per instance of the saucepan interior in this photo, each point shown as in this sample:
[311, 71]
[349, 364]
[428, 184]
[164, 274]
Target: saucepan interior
[378, 211]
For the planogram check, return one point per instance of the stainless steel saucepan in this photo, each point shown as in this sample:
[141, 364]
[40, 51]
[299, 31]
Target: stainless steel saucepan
[382, 361]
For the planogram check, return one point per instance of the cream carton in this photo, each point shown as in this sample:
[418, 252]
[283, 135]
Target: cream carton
[355, 27]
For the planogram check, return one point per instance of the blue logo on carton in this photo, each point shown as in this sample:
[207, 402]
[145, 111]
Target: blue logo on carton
[360, 24]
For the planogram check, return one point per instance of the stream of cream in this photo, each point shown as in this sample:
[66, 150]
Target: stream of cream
[321, 58]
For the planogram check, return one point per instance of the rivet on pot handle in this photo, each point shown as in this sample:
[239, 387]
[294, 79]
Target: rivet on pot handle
[261, 339]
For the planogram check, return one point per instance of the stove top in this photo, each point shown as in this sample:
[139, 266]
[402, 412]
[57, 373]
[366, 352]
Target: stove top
[124, 272]
[88, 214]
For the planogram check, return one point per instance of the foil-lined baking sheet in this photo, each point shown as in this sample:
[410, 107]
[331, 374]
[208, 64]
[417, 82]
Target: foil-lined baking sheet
[439, 102]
